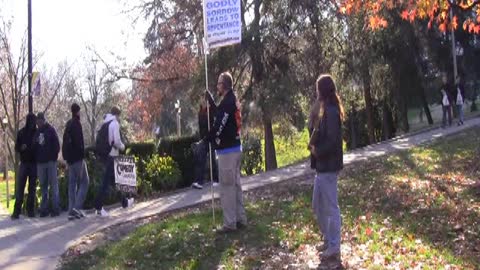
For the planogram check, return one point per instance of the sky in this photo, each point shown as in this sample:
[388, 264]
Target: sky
[62, 29]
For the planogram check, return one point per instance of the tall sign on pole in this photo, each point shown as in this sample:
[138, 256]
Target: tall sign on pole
[222, 22]
[222, 26]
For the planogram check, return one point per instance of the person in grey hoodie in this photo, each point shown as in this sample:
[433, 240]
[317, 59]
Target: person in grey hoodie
[46, 147]
[115, 141]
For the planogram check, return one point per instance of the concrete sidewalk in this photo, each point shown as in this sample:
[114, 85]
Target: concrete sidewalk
[39, 243]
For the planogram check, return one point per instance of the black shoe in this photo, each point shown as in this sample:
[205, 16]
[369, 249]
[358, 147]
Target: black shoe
[71, 215]
[224, 230]
[31, 214]
[55, 214]
[241, 225]
[15, 216]
[77, 213]
[43, 214]
[124, 203]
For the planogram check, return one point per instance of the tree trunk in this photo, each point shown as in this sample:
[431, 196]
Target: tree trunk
[369, 106]
[353, 127]
[426, 109]
[387, 121]
[270, 155]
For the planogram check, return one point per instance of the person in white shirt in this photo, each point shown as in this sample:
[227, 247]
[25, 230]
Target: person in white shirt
[446, 104]
[115, 145]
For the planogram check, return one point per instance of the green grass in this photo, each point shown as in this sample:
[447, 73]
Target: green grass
[291, 150]
[3, 192]
[412, 209]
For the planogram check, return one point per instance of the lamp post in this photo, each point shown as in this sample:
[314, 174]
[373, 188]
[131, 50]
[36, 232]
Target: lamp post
[179, 111]
[5, 174]
[30, 61]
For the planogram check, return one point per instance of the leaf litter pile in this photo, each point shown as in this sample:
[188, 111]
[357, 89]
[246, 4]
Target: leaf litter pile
[417, 209]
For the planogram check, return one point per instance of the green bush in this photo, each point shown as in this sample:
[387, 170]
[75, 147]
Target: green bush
[163, 173]
[180, 150]
[252, 155]
[142, 150]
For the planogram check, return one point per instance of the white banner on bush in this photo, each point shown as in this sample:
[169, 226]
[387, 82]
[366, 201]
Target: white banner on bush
[125, 171]
[222, 22]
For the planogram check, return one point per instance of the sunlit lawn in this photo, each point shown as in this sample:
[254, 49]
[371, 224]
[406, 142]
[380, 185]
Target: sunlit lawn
[415, 209]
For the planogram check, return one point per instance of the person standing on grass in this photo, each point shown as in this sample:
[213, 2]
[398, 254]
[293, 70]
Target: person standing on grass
[108, 146]
[201, 149]
[47, 147]
[446, 103]
[225, 137]
[27, 169]
[327, 159]
[73, 151]
[460, 99]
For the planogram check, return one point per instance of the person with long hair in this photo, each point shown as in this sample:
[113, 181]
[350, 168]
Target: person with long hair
[325, 145]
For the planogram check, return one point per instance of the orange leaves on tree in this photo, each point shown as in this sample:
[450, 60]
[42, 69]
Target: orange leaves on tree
[437, 11]
[443, 27]
[377, 22]
[454, 23]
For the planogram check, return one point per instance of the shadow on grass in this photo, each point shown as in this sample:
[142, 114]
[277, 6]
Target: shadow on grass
[434, 212]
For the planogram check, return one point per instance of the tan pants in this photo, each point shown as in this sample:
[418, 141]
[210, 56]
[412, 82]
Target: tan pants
[231, 196]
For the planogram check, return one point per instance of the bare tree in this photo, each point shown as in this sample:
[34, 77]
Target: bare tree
[98, 89]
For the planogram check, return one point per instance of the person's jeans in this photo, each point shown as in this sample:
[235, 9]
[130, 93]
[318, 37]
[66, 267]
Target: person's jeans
[460, 113]
[446, 112]
[77, 185]
[201, 154]
[231, 195]
[26, 171]
[47, 174]
[107, 181]
[325, 207]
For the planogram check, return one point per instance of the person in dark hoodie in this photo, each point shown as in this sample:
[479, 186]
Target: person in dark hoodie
[27, 169]
[73, 151]
[47, 147]
[201, 149]
[225, 137]
[327, 159]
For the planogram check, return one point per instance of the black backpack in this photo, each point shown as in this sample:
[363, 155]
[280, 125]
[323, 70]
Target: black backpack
[102, 145]
[67, 142]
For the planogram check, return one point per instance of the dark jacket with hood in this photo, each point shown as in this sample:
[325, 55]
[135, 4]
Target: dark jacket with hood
[203, 121]
[73, 147]
[25, 137]
[328, 156]
[225, 133]
[46, 144]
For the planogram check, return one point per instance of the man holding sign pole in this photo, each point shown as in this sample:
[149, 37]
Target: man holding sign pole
[225, 136]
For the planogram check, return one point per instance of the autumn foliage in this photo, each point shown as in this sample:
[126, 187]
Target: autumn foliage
[159, 80]
[436, 12]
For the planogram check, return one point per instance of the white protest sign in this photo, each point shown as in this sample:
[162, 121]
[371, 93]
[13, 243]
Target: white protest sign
[222, 22]
[125, 171]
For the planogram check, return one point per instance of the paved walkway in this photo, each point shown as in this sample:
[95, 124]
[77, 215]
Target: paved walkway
[39, 243]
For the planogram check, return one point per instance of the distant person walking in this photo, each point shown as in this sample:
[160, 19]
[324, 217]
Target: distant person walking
[460, 99]
[225, 136]
[446, 103]
[47, 147]
[73, 151]
[27, 169]
[327, 159]
[108, 146]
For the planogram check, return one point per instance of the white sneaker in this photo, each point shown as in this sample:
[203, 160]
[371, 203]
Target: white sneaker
[102, 213]
[215, 184]
[130, 202]
[197, 185]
